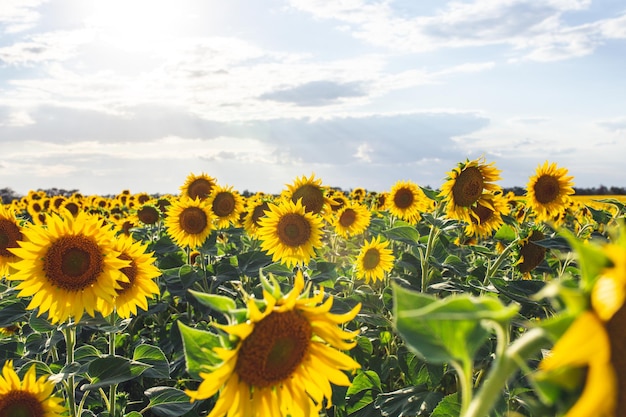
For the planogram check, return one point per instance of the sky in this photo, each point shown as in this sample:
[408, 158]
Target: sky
[109, 95]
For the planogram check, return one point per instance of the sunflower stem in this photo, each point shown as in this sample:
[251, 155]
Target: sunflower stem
[464, 378]
[491, 270]
[70, 344]
[113, 388]
[425, 261]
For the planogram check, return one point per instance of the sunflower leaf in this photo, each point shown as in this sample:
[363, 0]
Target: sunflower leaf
[111, 370]
[217, 302]
[168, 401]
[155, 357]
[198, 347]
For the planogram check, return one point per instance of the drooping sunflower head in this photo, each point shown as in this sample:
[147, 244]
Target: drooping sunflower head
[548, 191]
[290, 349]
[374, 260]
[28, 397]
[310, 191]
[10, 234]
[189, 222]
[407, 201]
[226, 204]
[531, 254]
[289, 233]
[465, 186]
[67, 266]
[198, 186]
[352, 219]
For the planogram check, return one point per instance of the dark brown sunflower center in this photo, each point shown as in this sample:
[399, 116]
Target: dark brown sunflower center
[73, 262]
[532, 254]
[312, 198]
[403, 198]
[148, 215]
[371, 259]
[468, 187]
[483, 213]
[193, 220]
[347, 218]
[274, 349]
[72, 207]
[223, 204]
[131, 273]
[9, 235]
[200, 188]
[294, 229]
[258, 212]
[546, 189]
[20, 404]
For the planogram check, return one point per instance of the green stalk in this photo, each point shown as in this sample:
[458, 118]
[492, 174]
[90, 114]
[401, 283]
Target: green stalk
[494, 267]
[113, 389]
[464, 378]
[70, 344]
[504, 366]
[425, 261]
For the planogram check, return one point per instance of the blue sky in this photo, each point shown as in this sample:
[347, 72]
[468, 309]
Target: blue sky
[106, 95]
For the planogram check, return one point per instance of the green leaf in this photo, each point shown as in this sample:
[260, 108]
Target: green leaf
[217, 302]
[410, 401]
[133, 414]
[250, 262]
[506, 233]
[519, 290]
[591, 258]
[154, 357]
[111, 370]
[365, 386]
[39, 324]
[448, 407]
[198, 347]
[442, 330]
[12, 312]
[405, 234]
[168, 401]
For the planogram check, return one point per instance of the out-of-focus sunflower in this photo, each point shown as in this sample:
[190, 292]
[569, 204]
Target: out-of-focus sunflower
[487, 215]
[148, 213]
[141, 273]
[530, 254]
[352, 219]
[548, 191]
[67, 266]
[189, 222]
[30, 397]
[10, 234]
[374, 260]
[407, 201]
[289, 233]
[357, 194]
[226, 205]
[466, 185]
[256, 210]
[310, 191]
[285, 359]
[198, 186]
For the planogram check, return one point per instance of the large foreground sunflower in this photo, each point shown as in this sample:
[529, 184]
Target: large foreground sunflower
[548, 191]
[374, 260]
[67, 266]
[284, 360]
[30, 397]
[10, 234]
[189, 222]
[289, 233]
[406, 200]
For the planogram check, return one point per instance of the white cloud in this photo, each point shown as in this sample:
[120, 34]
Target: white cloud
[19, 15]
[45, 47]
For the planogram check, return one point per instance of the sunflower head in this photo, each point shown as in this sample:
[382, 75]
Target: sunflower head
[310, 191]
[189, 222]
[548, 191]
[407, 201]
[531, 254]
[352, 219]
[226, 204]
[10, 234]
[256, 208]
[486, 216]
[374, 260]
[198, 186]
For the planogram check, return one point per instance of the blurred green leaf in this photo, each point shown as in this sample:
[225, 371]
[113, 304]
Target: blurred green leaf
[217, 302]
[198, 346]
[408, 402]
[449, 406]
[404, 234]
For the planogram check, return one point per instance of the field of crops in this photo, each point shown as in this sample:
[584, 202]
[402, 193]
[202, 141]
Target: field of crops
[460, 301]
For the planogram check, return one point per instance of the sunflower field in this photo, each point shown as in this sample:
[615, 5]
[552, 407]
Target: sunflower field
[460, 301]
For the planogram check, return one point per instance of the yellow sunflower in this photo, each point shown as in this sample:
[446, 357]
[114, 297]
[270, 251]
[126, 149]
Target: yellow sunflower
[407, 201]
[141, 273]
[310, 191]
[256, 210]
[226, 205]
[148, 214]
[352, 219]
[289, 233]
[198, 186]
[486, 216]
[466, 185]
[285, 359]
[10, 234]
[30, 397]
[67, 266]
[189, 222]
[374, 260]
[548, 191]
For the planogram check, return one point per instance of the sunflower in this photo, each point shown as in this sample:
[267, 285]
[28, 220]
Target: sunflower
[148, 214]
[256, 210]
[466, 185]
[189, 222]
[486, 216]
[548, 191]
[30, 397]
[374, 260]
[310, 191]
[289, 233]
[285, 357]
[140, 273]
[226, 205]
[531, 254]
[10, 234]
[407, 201]
[352, 219]
[198, 186]
[67, 266]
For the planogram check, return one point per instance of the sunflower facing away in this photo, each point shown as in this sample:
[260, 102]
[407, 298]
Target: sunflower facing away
[289, 233]
[141, 273]
[226, 205]
[311, 192]
[374, 260]
[10, 234]
[466, 185]
[198, 186]
[30, 397]
[407, 201]
[531, 254]
[352, 219]
[284, 360]
[189, 222]
[67, 266]
[548, 191]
